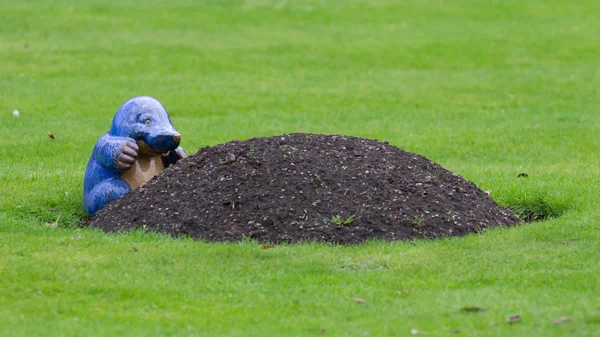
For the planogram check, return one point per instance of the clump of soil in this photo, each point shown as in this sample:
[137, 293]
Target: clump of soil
[306, 187]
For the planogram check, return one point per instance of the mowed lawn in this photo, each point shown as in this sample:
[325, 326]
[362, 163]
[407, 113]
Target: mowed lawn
[488, 89]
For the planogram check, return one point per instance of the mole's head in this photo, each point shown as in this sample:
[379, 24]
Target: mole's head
[144, 119]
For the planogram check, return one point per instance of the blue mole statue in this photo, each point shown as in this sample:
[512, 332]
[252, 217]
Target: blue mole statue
[140, 144]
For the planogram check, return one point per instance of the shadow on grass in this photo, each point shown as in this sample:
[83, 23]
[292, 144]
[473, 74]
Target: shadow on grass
[537, 208]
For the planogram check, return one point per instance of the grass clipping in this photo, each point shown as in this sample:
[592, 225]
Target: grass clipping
[306, 187]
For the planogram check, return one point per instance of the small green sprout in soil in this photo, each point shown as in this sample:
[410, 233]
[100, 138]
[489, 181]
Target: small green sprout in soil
[418, 221]
[338, 220]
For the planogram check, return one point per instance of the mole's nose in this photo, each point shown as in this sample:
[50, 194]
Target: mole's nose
[177, 138]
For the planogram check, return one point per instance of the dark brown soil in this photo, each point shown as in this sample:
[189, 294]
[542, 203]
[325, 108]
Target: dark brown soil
[306, 187]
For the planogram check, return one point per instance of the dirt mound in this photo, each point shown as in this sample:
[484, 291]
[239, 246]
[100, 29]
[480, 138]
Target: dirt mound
[306, 187]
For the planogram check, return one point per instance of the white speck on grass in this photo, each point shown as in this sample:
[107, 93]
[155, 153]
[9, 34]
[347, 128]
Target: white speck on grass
[415, 332]
[16, 113]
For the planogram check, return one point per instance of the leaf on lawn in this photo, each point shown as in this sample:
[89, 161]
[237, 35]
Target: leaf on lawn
[52, 136]
[523, 175]
[417, 332]
[473, 309]
[562, 320]
[266, 246]
[359, 300]
[513, 319]
[456, 331]
[53, 224]
[404, 292]
[321, 331]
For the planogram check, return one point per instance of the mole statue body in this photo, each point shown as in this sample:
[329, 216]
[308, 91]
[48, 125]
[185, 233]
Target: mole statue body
[140, 144]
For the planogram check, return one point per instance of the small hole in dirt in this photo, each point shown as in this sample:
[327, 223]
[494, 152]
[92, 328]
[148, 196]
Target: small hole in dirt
[536, 208]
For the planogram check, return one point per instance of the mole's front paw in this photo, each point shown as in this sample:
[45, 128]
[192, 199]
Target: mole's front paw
[127, 157]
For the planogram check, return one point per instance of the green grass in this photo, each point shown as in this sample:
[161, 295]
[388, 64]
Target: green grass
[489, 89]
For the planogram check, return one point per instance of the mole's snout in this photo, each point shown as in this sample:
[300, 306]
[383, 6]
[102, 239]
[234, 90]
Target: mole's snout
[163, 142]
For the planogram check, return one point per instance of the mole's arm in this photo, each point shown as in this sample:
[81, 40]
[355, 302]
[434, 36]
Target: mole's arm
[107, 151]
[174, 156]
